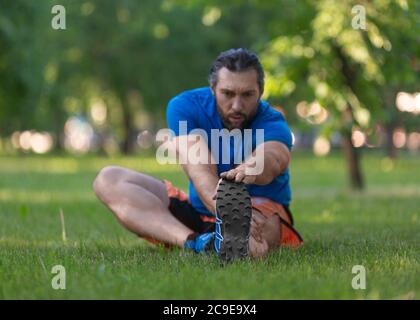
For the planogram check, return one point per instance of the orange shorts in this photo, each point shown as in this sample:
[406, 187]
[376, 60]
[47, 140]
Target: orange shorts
[182, 209]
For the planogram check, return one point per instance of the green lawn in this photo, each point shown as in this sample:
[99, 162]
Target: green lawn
[379, 229]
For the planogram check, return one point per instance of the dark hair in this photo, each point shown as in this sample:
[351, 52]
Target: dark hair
[237, 60]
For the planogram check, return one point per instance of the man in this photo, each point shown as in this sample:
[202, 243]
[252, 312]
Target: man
[232, 207]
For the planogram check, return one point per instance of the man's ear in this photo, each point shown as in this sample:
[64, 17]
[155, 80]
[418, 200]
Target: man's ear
[261, 94]
[213, 90]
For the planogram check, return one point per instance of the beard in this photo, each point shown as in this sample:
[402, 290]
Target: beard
[227, 123]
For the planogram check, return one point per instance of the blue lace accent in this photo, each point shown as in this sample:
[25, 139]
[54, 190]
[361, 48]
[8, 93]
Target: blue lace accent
[219, 237]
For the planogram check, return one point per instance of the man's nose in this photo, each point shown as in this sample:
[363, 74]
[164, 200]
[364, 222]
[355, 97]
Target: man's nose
[237, 105]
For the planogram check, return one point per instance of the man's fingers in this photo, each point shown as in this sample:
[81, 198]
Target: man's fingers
[231, 174]
[240, 176]
[227, 174]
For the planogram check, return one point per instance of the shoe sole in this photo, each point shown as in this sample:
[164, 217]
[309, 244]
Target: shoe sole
[233, 206]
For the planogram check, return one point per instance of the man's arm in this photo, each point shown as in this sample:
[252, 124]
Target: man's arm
[275, 158]
[203, 175]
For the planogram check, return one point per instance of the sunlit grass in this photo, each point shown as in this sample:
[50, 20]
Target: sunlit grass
[378, 228]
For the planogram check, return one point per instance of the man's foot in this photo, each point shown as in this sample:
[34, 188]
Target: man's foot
[233, 220]
[201, 243]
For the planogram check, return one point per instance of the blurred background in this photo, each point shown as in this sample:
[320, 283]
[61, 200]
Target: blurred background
[94, 94]
[100, 86]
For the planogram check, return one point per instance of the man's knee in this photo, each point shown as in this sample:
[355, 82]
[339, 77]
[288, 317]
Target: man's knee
[106, 180]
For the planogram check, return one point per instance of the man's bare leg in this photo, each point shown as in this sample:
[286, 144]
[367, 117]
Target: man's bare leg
[140, 202]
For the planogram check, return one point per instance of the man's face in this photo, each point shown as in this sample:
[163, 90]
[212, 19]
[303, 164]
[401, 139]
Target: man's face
[237, 95]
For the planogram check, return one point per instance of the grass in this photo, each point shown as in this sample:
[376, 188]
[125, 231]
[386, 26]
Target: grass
[378, 229]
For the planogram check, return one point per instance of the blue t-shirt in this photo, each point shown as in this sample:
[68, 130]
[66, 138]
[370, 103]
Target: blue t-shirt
[198, 108]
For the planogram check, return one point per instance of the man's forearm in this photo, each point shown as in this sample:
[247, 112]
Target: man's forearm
[204, 178]
[273, 166]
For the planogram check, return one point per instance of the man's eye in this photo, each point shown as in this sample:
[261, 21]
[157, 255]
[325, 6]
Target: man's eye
[248, 94]
[228, 94]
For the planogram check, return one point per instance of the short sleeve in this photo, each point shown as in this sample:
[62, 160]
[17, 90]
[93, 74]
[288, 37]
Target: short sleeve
[276, 128]
[181, 115]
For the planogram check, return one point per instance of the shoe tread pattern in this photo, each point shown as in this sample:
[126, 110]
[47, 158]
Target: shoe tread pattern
[233, 206]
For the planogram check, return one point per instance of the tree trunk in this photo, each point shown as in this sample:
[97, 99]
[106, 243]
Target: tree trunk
[350, 152]
[126, 146]
[352, 157]
[390, 149]
[390, 123]
[59, 120]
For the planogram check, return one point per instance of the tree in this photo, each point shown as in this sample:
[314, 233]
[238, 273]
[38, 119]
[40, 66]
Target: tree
[348, 71]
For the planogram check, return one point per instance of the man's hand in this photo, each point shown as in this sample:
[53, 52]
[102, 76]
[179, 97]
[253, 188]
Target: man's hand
[238, 174]
[274, 155]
